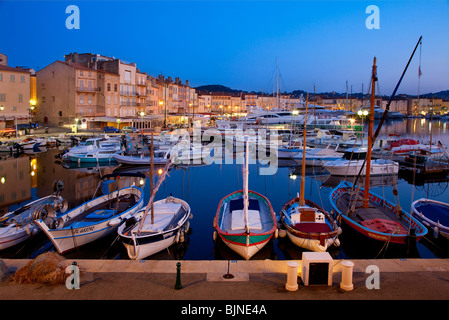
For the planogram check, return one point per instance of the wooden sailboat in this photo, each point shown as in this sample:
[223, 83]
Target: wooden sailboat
[308, 225]
[245, 220]
[368, 213]
[159, 225]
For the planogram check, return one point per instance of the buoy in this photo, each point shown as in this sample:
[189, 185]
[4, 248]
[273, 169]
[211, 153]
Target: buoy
[282, 233]
[114, 222]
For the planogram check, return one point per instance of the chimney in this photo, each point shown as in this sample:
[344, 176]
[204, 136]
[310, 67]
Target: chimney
[187, 83]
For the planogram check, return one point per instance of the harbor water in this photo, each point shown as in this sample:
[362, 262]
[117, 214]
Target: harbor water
[32, 175]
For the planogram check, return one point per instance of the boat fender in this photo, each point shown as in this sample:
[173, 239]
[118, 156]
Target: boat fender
[181, 236]
[276, 233]
[114, 222]
[34, 231]
[282, 233]
[177, 237]
[436, 231]
[339, 231]
[28, 231]
[337, 242]
[191, 216]
[215, 236]
[187, 226]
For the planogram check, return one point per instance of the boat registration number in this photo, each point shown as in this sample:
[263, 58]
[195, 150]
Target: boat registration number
[83, 230]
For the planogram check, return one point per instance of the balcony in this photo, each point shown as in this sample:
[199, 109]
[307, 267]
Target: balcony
[84, 89]
[128, 93]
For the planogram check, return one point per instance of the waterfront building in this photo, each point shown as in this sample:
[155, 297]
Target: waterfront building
[67, 91]
[15, 93]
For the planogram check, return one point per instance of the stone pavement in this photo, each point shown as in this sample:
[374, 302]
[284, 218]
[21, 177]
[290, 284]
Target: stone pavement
[413, 279]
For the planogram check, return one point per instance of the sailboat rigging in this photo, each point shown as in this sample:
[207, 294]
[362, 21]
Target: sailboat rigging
[376, 218]
[308, 225]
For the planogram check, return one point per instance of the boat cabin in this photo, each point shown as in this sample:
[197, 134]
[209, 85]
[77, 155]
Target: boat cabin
[355, 154]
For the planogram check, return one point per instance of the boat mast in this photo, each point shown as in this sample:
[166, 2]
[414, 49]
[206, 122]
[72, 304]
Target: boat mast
[151, 176]
[370, 135]
[303, 165]
[245, 189]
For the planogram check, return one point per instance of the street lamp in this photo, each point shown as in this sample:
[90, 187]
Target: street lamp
[362, 114]
[142, 114]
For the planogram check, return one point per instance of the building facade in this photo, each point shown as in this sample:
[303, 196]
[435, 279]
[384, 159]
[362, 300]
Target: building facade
[15, 92]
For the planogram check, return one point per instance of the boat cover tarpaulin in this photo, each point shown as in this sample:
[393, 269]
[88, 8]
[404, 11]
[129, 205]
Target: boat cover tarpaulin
[385, 226]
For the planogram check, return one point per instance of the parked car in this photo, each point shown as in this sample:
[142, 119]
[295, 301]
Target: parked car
[110, 129]
[130, 129]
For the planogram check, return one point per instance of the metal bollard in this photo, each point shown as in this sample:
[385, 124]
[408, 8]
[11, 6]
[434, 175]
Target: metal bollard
[178, 285]
[346, 275]
[292, 276]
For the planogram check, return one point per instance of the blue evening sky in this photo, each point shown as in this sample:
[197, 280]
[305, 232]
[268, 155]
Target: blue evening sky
[237, 43]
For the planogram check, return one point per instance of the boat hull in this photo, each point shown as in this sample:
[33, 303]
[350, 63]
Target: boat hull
[392, 237]
[76, 235]
[352, 168]
[243, 243]
[145, 245]
[11, 234]
[138, 160]
[310, 240]
[434, 215]
[9, 238]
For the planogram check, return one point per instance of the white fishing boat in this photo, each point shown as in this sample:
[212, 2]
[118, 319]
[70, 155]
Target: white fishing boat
[147, 234]
[161, 156]
[353, 161]
[94, 219]
[32, 143]
[18, 225]
[94, 150]
[308, 225]
[159, 225]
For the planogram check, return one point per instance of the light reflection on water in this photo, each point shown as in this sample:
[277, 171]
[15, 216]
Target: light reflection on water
[204, 186]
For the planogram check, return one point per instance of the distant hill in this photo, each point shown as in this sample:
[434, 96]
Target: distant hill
[439, 95]
[217, 88]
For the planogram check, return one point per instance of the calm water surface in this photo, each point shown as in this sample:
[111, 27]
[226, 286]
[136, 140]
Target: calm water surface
[32, 176]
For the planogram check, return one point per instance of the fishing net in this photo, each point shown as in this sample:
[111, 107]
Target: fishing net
[47, 268]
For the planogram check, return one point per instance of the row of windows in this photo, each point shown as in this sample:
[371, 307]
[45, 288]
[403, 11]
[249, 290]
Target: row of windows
[3, 97]
[12, 78]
